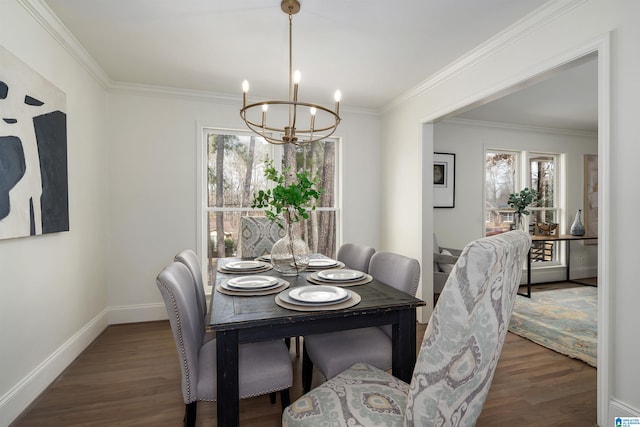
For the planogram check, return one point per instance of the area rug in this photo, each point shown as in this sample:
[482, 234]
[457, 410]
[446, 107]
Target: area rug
[564, 320]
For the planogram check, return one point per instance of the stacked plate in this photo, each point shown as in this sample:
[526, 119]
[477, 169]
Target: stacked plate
[245, 267]
[265, 258]
[317, 264]
[339, 277]
[316, 298]
[251, 283]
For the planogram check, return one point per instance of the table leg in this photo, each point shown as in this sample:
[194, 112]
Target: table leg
[228, 389]
[568, 247]
[404, 345]
[528, 294]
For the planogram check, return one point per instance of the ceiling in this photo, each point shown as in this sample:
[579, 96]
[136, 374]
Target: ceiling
[372, 50]
[562, 100]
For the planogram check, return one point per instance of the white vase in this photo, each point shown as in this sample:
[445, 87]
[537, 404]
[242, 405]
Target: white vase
[290, 255]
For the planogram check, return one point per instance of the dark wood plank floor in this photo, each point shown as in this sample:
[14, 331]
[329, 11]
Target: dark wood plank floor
[130, 377]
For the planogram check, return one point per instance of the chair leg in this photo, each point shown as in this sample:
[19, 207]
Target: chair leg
[190, 410]
[285, 397]
[272, 397]
[307, 369]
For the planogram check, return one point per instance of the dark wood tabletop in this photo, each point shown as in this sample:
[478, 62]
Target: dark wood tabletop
[238, 319]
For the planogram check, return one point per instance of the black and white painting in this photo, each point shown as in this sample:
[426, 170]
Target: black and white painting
[34, 195]
[444, 175]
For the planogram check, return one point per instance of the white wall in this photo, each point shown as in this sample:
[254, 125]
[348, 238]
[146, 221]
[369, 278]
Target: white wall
[576, 25]
[53, 286]
[468, 140]
[153, 139]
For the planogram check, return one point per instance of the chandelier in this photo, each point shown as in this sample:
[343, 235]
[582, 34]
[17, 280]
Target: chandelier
[307, 122]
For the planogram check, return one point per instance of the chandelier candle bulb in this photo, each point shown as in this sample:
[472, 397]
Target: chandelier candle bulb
[312, 110]
[265, 107]
[245, 92]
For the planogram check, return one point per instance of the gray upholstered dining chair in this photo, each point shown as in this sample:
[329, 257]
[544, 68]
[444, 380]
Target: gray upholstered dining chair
[333, 352]
[443, 261]
[190, 259]
[264, 367]
[458, 355]
[356, 256]
[257, 235]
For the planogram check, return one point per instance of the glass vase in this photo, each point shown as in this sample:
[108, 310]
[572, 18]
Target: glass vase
[577, 228]
[518, 222]
[290, 255]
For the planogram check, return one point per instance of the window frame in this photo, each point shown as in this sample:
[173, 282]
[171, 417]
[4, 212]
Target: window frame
[523, 174]
[275, 152]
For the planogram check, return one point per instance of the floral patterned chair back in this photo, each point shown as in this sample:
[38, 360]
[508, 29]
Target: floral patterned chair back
[457, 360]
[257, 235]
[464, 337]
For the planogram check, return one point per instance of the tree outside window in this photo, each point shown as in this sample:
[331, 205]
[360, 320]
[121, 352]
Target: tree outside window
[235, 172]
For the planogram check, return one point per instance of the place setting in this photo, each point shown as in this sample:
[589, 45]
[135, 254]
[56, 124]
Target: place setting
[245, 267]
[317, 298]
[339, 277]
[319, 264]
[252, 285]
[264, 258]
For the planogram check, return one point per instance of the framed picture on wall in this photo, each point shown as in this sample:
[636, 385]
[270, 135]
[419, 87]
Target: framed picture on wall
[444, 177]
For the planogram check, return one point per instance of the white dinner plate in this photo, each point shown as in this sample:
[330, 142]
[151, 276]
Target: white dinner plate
[322, 262]
[253, 282]
[319, 294]
[245, 265]
[340, 275]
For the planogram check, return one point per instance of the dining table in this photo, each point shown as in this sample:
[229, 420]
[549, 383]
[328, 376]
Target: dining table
[238, 319]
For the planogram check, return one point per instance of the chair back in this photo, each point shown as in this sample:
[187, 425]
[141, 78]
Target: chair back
[356, 256]
[176, 286]
[399, 271]
[257, 235]
[463, 340]
[191, 261]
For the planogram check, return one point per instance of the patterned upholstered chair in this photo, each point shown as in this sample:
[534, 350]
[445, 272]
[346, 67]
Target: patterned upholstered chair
[264, 367]
[356, 256]
[458, 356]
[257, 235]
[333, 352]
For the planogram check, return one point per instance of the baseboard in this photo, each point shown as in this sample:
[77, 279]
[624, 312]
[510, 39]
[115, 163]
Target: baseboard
[620, 409]
[558, 274]
[16, 400]
[137, 313]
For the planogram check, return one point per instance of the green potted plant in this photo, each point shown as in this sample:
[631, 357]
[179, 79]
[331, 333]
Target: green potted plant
[520, 202]
[288, 202]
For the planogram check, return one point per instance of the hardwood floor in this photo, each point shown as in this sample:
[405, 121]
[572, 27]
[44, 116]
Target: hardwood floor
[130, 377]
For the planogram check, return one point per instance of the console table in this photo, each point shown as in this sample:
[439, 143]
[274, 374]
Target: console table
[560, 238]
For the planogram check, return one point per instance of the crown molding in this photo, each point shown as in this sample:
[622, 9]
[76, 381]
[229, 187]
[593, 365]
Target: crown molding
[166, 91]
[530, 23]
[52, 24]
[517, 127]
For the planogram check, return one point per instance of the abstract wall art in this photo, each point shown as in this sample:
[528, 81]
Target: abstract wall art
[34, 194]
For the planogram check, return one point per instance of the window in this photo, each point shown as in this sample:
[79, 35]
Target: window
[504, 173]
[233, 170]
[500, 181]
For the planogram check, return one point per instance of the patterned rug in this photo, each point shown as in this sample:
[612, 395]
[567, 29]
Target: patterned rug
[564, 320]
